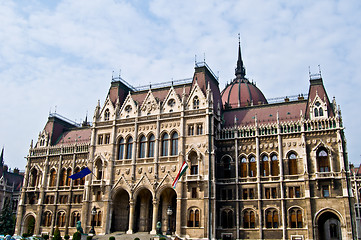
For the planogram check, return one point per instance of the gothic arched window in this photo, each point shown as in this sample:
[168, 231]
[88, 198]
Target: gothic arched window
[292, 164]
[121, 148]
[274, 165]
[323, 160]
[174, 144]
[129, 148]
[252, 166]
[142, 144]
[265, 166]
[151, 145]
[165, 143]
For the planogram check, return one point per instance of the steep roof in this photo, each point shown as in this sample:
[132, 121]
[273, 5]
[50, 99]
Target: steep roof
[287, 111]
[73, 136]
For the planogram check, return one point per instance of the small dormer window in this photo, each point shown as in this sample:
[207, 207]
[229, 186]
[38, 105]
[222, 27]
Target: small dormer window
[106, 115]
[195, 103]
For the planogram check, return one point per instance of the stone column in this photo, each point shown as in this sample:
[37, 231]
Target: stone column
[155, 214]
[131, 217]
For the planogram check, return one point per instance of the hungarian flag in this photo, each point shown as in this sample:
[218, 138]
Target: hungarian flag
[180, 173]
[81, 174]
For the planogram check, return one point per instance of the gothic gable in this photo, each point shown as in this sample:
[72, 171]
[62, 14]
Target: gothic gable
[196, 99]
[172, 103]
[150, 105]
[129, 108]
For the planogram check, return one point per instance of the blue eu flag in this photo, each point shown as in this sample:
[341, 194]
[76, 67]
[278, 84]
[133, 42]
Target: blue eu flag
[81, 174]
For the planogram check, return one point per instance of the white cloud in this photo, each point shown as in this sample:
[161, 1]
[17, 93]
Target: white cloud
[63, 53]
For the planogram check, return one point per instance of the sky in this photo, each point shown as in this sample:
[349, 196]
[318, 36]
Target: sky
[61, 55]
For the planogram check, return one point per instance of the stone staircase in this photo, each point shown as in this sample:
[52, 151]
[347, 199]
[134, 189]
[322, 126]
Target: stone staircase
[124, 236]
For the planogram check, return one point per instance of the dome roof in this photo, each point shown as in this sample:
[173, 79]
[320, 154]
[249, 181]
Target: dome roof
[241, 92]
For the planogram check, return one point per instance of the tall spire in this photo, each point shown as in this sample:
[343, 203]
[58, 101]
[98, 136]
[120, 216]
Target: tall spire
[240, 70]
[2, 157]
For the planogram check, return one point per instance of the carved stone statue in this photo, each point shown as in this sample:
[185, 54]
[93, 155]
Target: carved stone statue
[78, 227]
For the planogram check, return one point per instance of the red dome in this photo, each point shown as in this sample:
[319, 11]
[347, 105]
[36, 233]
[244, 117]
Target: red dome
[242, 93]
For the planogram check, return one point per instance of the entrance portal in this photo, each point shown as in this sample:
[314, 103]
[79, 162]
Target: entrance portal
[143, 211]
[168, 199]
[120, 216]
[329, 227]
[29, 225]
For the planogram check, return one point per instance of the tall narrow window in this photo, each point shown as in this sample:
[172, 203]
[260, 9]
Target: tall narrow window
[190, 130]
[165, 143]
[121, 148]
[62, 177]
[68, 174]
[174, 141]
[76, 181]
[252, 167]
[292, 164]
[274, 165]
[191, 218]
[226, 167]
[52, 178]
[99, 219]
[107, 138]
[34, 178]
[129, 148]
[100, 139]
[316, 112]
[197, 218]
[252, 220]
[265, 166]
[199, 129]
[99, 169]
[151, 146]
[246, 219]
[142, 144]
[243, 167]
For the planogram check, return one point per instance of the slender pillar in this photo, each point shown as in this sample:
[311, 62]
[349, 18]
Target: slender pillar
[131, 217]
[155, 215]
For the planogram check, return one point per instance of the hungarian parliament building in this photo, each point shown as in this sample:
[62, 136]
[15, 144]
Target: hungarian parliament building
[258, 168]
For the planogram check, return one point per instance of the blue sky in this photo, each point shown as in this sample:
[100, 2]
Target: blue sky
[62, 53]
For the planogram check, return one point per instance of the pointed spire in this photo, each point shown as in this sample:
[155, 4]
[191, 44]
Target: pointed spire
[240, 70]
[2, 157]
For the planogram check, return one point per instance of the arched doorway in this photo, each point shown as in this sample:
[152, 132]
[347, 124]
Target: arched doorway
[120, 216]
[143, 211]
[329, 226]
[168, 199]
[29, 224]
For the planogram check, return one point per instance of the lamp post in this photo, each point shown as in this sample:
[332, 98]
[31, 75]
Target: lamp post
[169, 213]
[94, 212]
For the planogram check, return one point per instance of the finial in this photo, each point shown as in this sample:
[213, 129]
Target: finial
[240, 70]
[204, 57]
[195, 59]
[120, 71]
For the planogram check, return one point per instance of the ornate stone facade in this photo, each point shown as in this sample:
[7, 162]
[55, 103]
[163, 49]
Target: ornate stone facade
[257, 170]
